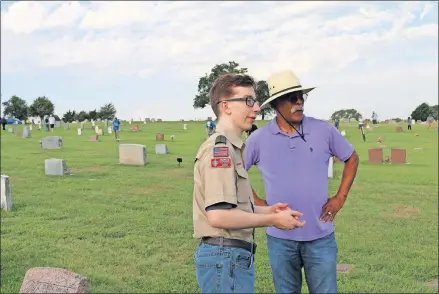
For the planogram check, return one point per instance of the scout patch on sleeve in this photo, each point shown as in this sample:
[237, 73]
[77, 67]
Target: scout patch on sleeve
[220, 151]
[221, 162]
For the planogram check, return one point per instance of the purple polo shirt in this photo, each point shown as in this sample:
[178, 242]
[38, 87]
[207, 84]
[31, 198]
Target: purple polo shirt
[294, 174]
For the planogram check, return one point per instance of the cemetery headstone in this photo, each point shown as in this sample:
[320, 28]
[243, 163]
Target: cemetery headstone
[413, 122]
[30, 127]
[185, 127]
[94, 138]
[57, 124]
[26, 132]
[135, 128]
[132, 154]
[99, 132]
[66, 126]
[56, 167]
[6, 200]
[172, 138]
[331, 168]
[147, 119]
[159, 137]
[159, 119]
[51, 142]
[96, 129]
[399, 129]
[93, 123]
[343, 133]
[209, 118]
[375, 155]
[398, 156]
[106, 123]
[11, 130]
[53, 280]
[110, 130]
[161, 149]
[82, 125]
[39, 127]
[79, 132]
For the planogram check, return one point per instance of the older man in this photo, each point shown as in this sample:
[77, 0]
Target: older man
[292, 152]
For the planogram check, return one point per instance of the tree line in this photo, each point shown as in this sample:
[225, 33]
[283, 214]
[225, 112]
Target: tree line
[18, 108]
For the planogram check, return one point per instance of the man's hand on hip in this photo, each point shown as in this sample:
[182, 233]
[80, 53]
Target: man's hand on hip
[331, 208]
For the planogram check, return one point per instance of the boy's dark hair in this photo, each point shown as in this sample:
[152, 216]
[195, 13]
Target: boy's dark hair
[223, 88]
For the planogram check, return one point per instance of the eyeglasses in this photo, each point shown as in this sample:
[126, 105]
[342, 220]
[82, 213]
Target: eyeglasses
[294, 97]
[248, 100]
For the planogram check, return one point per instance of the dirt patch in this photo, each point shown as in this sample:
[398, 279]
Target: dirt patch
[344, 268]
[405, 211]
[89, 168]
[16, 180]
[433, 284]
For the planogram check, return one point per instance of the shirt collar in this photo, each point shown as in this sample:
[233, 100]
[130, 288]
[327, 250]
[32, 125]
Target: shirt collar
[274, 127]
[231, 136]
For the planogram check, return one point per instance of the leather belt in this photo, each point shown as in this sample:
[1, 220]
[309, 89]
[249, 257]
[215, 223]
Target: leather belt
[250, 247]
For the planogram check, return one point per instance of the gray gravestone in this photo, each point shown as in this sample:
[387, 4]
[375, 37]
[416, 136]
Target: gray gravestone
[26, 132]
[11, 130]
[66, 126]
[51, 142]
[134, 154]
[161, 149]
[6, 200]
[56, 167]
[53, 280]
[82, 125]
[106, 123]
[57, 124]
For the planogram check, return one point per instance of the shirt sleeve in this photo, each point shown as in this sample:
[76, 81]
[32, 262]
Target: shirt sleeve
[251, 152]
[219, 177]
[339, 146]
[221, 205]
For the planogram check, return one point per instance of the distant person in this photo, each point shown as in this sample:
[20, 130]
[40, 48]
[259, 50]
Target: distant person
[249, 132]
[374, 118]
[210, 127]
[3, 120]
[430, 121]
[46, 121]
[116, 125]
[409, 123]
[51, 123]
[337, 123]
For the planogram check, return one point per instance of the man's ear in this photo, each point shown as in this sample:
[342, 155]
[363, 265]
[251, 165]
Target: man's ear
[225, 107]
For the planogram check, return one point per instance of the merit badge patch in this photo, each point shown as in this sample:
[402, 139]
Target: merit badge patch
[221, 162]
[220, 151]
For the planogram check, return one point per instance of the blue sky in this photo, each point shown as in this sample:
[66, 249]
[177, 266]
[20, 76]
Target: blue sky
[147, 57]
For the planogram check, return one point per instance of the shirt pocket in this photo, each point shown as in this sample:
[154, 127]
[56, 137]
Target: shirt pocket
[243, 188]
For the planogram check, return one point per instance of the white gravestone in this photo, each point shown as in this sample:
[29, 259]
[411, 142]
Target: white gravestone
[66, 126]
[79, 132]
[133, 154]
[57, 124]
[96, 129]
[11, 130]
[343, 133]
[331, 167]
[161, 149]
[30, 127]
[51, 142]
[110, 131]
[93, 123]
[26, 132]
[6, 200]
[185, 127]
[56, 167]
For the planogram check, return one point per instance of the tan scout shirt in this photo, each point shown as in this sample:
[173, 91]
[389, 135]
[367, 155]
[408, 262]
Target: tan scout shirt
[220, 176]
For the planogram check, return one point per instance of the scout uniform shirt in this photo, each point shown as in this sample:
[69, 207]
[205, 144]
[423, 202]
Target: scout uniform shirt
[220, 176]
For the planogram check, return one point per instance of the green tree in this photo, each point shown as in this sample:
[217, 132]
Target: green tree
[82, 115]
[93, 115]
[69, 116]
[108, 111]
[41, 107]
[421, 112]
[434, 111]
[205, 83]
[262, 94]
[16, 107]
[346, 114]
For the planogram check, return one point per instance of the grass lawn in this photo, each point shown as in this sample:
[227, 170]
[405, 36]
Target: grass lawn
[129, 228]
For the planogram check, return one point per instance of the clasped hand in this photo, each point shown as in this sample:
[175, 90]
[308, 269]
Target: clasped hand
[285, 218]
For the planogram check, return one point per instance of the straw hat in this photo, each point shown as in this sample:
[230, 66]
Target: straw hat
[281, 83]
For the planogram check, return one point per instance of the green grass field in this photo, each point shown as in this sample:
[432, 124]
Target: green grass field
[129, 228]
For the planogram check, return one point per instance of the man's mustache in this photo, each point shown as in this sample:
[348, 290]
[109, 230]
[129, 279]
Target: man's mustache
[296, 108]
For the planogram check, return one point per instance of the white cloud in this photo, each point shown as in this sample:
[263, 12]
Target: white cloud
[185, 39]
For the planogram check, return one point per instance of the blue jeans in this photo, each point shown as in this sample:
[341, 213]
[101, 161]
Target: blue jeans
[317, 257]
[224, 269]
